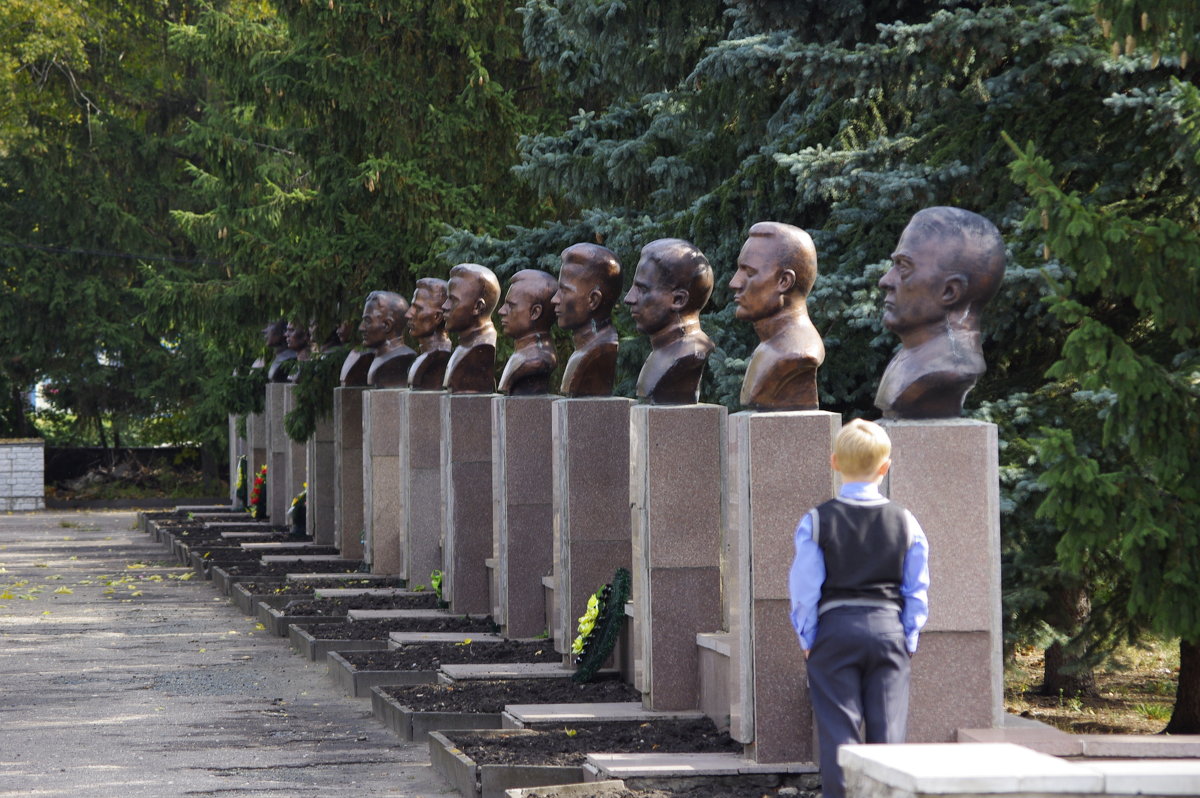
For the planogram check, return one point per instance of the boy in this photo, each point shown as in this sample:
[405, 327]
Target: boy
[859, 589]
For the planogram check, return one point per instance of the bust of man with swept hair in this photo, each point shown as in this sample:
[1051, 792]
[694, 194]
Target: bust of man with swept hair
[471, 297]
[382, 330]
[275, 336]
[527, 316]
[427, 324]
[589, 284]
[947, 265]
[673, 282]
[775, 272]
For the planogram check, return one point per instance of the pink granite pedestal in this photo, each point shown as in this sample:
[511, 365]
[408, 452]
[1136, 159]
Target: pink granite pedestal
[947, 473]
[256, 435]
[278, 498]
[295, 455]
[382, 511]
[676, 486]
[421, 485]
[778, 470]
[467, 492]
[523, 515]
[237, 448]
[591, 504]
[321, 467]
[348, 471]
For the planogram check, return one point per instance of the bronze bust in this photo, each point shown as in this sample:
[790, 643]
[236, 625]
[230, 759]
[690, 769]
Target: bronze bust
[275, 336]
[947, 265]
[527, 316]
[427, 324]
[589, 283]
[672, 284]
[298, 338]
[775, 271]
[382, 330]
[472, 294]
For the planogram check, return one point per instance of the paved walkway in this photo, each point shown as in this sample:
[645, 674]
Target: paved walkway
[118, 678]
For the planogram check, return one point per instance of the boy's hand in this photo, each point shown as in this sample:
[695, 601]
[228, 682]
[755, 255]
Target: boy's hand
[805, 654]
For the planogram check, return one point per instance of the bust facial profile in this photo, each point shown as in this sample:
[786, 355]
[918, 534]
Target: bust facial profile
[526, 316]
[589, 284]
[275, 336]
[427, 324]
[382, 330]
[297, 338]
[776, 271]
[471, 297]
[946, 267]
[671, 285]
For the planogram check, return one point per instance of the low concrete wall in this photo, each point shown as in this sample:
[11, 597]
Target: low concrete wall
[22, 474]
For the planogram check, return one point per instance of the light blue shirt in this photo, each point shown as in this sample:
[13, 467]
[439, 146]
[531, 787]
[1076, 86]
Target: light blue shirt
[807, 573]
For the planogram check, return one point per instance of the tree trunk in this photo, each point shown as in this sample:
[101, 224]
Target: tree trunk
[1063, 673]
[1185, 719]
[1081, 681]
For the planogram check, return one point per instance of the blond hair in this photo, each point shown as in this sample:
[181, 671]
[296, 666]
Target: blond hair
[861, 447]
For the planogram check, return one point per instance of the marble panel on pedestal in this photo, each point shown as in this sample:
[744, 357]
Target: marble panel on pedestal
[523, 512]
[591, 503]
[467, 493]
[421, 484]
[947, 473]
[676, 486]
[322, 480]
[278, 498]
[348, 470]
[382, 512]
[778, 469]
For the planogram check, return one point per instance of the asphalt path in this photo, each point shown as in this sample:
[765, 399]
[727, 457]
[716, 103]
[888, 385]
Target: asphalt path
[120, 676]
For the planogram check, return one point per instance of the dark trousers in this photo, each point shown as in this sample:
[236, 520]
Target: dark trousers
[858, 681]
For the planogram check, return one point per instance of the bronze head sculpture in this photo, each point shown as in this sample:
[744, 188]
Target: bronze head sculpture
[297, 337]
[382, 330]
[589, 284]
[275, 336]
[427, 324]
[472, 294]
[527, 316]
[947, 265]
[775, 272]
[673, 282]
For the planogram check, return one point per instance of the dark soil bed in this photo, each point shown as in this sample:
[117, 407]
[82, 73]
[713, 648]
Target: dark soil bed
[298, 567]
[307, 586]
[366, 601]
[379, 630]
[716, 790]
[493, 695]
[431, 656]
[571, 745]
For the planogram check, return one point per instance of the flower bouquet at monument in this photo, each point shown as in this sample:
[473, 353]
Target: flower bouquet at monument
[298, 512]
[258, 496]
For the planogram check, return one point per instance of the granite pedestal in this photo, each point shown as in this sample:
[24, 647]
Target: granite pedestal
[256, 434]
[676, 486]
[778, 469]
[278, 498]
[348, 471]
[467, 492]
[421, 484]
[295, 454]
[321, 467]
[947, 473]
[382, 513]
[237, 448]
[591, 504]
[523, 514]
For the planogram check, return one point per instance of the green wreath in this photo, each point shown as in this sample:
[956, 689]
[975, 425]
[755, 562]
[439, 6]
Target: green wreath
[600, 626]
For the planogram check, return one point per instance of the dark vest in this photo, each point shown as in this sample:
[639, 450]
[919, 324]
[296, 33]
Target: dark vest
[864, 550]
